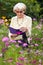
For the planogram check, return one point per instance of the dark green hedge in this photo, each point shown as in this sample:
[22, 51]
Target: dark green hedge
[33, 8]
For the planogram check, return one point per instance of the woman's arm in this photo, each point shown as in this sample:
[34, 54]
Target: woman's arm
[29, 27]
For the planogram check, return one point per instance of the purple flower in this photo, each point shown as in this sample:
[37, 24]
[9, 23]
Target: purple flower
[17, 63]
[21, 58]
[3, 49]
[37, 38]
[5, 39]
[34, 61]
[25, 44]
[6, 44]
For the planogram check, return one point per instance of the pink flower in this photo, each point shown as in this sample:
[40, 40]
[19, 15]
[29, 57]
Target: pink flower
[17, 45]
[1, 21]
[40, 64]
[25, 44]
[5, 39]
[38, 27]
[29, 38]
[42, 42]
[21, 52]
[36, 45]
[42, 39]
[1, 55]
[10, 59]
[19, 41]
[21, 58]
[13, 41]
[37, 52]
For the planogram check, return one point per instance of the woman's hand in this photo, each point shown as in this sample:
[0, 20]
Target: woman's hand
[14, 35]
[23, 29]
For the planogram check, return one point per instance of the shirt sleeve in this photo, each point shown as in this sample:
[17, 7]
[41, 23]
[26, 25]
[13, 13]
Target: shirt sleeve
[29, 27]
[11, 24]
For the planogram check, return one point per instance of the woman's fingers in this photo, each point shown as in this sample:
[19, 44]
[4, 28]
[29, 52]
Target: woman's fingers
[14, 35]
[23, 29]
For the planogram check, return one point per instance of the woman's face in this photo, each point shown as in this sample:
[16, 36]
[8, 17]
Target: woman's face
[20, 13]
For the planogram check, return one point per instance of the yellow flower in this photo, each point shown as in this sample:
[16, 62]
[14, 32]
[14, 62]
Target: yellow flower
[5, 20]
[3, 17]
[6, 23]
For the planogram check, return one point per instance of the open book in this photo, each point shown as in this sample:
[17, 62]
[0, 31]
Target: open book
[15, 31]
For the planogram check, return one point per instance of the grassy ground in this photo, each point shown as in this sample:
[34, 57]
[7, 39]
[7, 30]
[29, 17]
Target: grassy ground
[15, 55]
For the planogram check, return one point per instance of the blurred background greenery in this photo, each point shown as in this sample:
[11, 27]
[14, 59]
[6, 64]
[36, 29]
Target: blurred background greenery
[34, 8]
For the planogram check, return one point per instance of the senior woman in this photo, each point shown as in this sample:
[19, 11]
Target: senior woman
[21, 22]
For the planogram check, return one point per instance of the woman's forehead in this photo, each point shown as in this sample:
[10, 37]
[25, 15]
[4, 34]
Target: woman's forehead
[19, 9]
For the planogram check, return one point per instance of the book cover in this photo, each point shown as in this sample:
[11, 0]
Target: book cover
[15, 31]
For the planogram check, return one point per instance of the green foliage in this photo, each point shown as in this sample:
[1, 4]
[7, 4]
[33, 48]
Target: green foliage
[6, 7]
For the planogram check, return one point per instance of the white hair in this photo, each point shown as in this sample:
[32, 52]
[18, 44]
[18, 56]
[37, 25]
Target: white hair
[20, 6]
